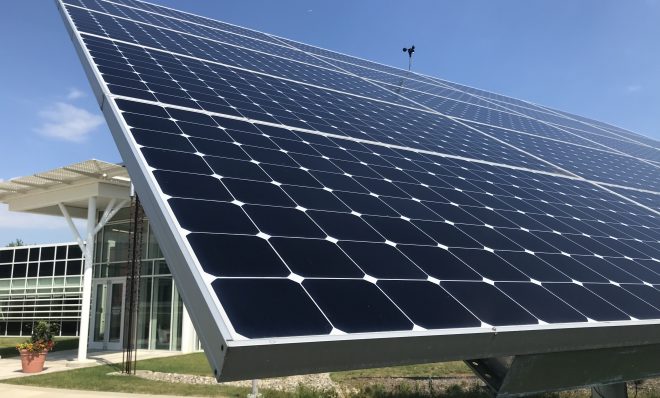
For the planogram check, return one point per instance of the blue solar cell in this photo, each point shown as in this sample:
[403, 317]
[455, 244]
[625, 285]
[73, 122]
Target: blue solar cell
[284, 303]
[540, 302]
[589, 304]
[361, 307]
[428, 295]
[489, 304]
[625, 301]
[381, 260]
[314, 258]
[237, 256]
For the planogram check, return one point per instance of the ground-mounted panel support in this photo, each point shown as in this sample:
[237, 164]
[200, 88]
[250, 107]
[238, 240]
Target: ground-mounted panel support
[254, 393]
[616, 390]
[605, 370]
[492, 371]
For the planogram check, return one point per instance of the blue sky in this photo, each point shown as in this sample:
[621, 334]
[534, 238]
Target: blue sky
[597, 58]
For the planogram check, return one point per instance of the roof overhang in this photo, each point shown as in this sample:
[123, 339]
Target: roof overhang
[70, 185]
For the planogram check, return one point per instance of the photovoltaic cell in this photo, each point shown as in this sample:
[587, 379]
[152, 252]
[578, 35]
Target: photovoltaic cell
[307, 197]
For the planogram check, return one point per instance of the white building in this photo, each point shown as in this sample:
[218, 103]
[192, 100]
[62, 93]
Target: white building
[48, 281]
[40, 282]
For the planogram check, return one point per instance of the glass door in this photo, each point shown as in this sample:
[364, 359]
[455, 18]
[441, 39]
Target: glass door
[108, 317]
[161, 313]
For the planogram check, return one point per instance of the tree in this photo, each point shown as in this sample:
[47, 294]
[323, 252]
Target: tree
[17, 242]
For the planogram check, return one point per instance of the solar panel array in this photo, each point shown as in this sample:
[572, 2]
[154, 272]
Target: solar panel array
[319, 194]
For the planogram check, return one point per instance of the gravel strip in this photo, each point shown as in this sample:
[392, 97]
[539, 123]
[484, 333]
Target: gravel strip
[319, 381]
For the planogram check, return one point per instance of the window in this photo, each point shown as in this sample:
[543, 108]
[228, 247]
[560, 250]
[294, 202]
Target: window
[115, 242]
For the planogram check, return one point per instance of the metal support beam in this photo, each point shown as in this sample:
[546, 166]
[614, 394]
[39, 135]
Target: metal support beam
[492, 371]
[606, 370]
[110, 212]
[72, 226]
[616, 390]
[105, 217]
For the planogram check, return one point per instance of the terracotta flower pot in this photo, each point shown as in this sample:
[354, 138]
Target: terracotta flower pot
[32, 362]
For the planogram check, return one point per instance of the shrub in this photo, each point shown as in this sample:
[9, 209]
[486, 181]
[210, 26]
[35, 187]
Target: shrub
[42, 337]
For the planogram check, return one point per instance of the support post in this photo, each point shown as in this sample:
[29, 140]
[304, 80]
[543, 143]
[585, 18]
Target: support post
[87, 280]
[604, 370]
[255, 389]
[616, 390]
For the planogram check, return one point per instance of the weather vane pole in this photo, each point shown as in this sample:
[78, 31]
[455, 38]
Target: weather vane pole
[410, 52]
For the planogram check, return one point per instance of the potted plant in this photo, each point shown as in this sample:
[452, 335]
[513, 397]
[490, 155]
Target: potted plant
[33, 351]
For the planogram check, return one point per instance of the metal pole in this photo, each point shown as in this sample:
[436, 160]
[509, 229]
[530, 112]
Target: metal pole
[87, 280]
[255, 389]
[133, 287]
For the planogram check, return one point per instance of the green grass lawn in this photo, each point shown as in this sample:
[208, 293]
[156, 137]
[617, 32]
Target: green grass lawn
[97, 378]
[8, 345]
[11, 341]
[369, 383]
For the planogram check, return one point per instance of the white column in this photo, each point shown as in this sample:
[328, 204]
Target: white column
[87, 280]
[188, 333]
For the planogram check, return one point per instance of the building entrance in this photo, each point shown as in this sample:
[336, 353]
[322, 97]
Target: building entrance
[107, 321]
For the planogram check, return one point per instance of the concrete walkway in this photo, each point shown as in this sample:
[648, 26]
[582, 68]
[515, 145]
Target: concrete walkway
[58, 361]
[9, 390]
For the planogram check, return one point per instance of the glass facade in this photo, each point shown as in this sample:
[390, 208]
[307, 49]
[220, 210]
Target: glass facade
[40, 282]
[45, 282]
[160, 310]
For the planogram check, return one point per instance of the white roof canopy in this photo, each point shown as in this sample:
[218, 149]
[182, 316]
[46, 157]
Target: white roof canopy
[70, 185]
